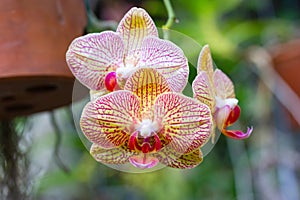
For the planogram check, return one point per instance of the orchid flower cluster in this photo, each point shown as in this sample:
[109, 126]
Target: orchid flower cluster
[137, 113]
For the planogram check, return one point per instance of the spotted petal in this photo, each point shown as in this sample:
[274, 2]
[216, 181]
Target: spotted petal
[134, 27]
[168, 59]
[147, 84]
[92, 56]
[205, 62]
[174, 159]
[223, 85]
[203, 90]
[108, 120]
[185, 122]
[110, 156]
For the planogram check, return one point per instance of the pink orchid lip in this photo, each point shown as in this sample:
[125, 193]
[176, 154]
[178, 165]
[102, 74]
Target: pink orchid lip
[143, 161]
[231, 119]
[231, 115]
[237, 134]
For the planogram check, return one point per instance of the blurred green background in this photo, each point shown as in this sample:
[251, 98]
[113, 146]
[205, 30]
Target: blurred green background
[265, 166]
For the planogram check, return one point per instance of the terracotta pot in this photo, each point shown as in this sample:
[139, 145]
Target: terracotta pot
[35, 35]
[286, 61]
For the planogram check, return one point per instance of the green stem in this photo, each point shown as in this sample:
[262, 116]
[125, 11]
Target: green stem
[170, 21]
[171, 15]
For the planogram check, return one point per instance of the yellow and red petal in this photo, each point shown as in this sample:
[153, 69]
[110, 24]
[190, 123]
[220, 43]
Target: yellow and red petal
[203, 90]
[147, 84]
[223, 85]
[185, 122]
[168, 59]
[134, 27]
[174, 159]
[115, 155]
[205, 62]
[92, 56]
[108, 121]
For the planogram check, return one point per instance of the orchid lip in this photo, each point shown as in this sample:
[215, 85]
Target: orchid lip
[143, 161]
[237, 134]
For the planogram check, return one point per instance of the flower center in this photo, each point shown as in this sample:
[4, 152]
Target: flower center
[147, 128]
[128, 66]
[145, 138]
[125, 72]
[231, 102]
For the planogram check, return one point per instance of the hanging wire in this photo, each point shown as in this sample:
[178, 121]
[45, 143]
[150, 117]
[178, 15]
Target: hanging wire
[14, 161]
[58, 138]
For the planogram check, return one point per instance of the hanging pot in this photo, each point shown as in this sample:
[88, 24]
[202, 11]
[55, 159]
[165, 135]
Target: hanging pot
[286, 61]
[34, 37]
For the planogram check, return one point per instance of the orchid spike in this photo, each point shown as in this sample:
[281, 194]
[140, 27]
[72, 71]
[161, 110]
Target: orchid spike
[104, 61]
[147, 123]
[215, 89]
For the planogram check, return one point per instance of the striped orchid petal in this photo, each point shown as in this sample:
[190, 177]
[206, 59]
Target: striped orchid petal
[134, 27]
[174, 159]
[205, 62]
[116, 155]
[167, 59]
[203, 90]
[147, 84]
[223, 85]
[92, 56]
[185, 121]
[108, 120]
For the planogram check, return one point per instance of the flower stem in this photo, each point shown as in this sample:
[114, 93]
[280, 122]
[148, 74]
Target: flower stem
[171, 18]
[171, 14]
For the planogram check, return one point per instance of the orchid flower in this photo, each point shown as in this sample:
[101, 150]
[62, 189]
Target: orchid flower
[147, 123]
[215, 89]
[104, 61]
